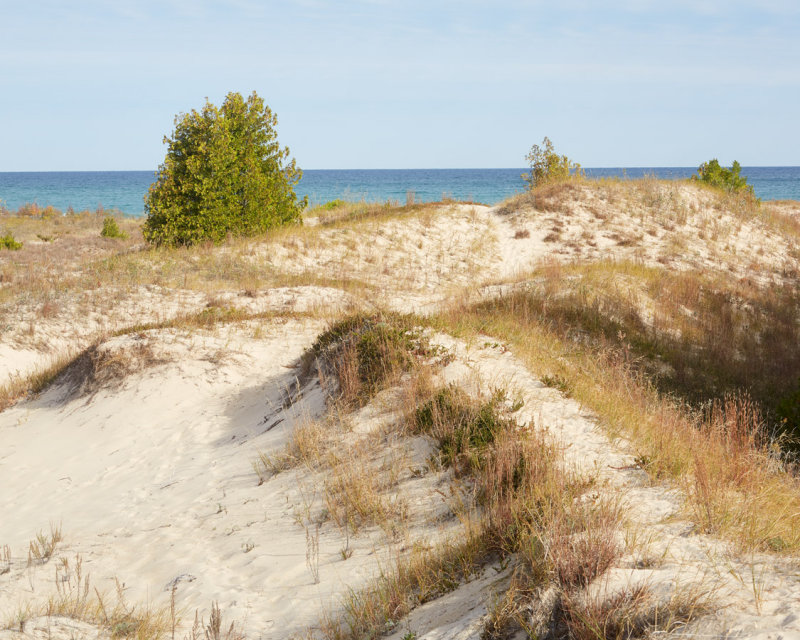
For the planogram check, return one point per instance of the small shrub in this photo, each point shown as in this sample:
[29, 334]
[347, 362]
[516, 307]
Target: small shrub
[547, 166]
[333, 204]
[8, 242]
[464, 427]
[712, 173]
[111, 229]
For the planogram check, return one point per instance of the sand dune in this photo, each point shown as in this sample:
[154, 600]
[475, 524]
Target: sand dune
[141, 453]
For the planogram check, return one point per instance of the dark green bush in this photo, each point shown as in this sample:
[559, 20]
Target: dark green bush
[224, 173]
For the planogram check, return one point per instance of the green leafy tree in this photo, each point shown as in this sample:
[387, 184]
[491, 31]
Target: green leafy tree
[224, 173]
[714, 174]
[547, 166]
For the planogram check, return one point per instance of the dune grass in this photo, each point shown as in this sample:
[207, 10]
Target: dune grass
[527, 513]
[695, 335]
[603, 354]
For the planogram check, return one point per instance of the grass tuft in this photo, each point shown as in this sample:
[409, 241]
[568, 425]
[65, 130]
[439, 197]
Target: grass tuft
[366, 353]
[43, 546]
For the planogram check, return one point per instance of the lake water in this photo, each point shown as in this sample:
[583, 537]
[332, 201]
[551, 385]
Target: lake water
[125, 190]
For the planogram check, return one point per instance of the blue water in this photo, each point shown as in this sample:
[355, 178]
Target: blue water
[125, 190]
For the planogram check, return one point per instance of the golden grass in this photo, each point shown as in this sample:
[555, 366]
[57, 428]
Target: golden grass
[619, 338]
[306, 446]
[527, 515]
[43, 546]
[523, 504]
[425, 574]
[340, 214]
[78, 274]
[77, 599]
[674, 206]
[22, 387]
[735, 486]
[357, 492]
[699, 336]
[90, 369]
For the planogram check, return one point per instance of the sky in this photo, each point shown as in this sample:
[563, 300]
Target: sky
[363, 84]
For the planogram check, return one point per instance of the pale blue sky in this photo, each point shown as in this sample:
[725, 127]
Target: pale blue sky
[95, 84]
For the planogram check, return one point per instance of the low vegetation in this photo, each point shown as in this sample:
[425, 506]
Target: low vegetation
[715, 175]
[76, 598]
[43, 546]
[530, 516]
[547, 166]
[365, 353]
[464, 428]
[525, 510]
[697, 336]
[694, 372]
[111, 229]
[7, 242]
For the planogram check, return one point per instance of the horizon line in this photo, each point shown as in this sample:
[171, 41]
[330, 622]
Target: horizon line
[585, 168]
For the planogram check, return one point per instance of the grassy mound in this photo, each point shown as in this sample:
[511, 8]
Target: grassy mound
[366, 353]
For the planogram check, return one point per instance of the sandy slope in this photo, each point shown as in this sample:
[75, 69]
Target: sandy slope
[151, 479]
[149, 473]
